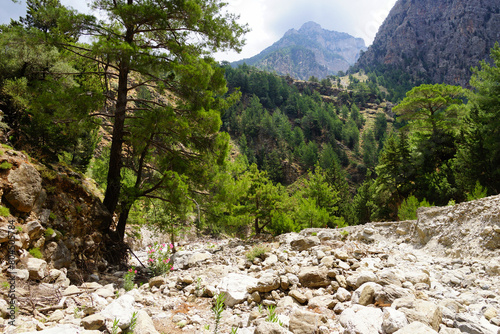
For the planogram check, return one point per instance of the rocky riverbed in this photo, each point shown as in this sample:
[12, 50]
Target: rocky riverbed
[439, 274]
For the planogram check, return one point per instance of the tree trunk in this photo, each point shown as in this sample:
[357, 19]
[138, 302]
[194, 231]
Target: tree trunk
[122, 221]
[113, 188]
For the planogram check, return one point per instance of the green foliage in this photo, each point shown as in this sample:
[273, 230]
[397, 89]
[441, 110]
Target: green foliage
[159, 261]
[4, 211]
[409, 206]
[272, 316]
[5, 165]
[128, 279]
[256, 251]
[35, 252]
[478, 192]
[49, 232]
[218, 309]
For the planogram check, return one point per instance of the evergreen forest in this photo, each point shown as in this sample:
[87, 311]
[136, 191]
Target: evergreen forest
[172, 137]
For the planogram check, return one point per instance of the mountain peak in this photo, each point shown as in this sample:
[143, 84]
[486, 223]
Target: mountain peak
[310, 27]
[309, 51]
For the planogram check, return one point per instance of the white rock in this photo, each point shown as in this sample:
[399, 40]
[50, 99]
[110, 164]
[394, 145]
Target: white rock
[416, 327]
[361, 320]
[121, 309]
[37, 268]
[144, 324]
[235, 286]
[393, 320]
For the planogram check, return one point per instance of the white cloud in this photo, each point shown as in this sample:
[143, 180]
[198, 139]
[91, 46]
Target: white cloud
[270, 19]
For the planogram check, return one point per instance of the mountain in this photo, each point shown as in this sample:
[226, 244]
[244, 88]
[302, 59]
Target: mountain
[309, 51]
[437, 41]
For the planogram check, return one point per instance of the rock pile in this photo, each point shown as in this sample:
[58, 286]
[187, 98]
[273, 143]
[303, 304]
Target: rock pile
[402, 277]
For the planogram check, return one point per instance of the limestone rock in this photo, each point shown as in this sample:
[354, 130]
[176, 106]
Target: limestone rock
[59, 329]
[306, 243]
[300, 297]
[419, 310]
[93, 322]
[266, 327]
[144, 324]
[26, 187]
[34, 229]
[121, 309]
[416, 327]
[393, 320]
[37, 268]
[266, 283]
[361, 320]
[235, 287]
[198, 258]
[305, 322]
[156, 281]
[314, 277]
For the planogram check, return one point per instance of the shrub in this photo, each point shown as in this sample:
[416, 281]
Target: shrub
[49, 232]
[256, 251]
[128, 279]
[478, 192]
[4, 212]
[35, 252]
[408, 209]
[159, 260]
[5, 165]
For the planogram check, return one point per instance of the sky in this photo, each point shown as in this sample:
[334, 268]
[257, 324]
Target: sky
[270, 19]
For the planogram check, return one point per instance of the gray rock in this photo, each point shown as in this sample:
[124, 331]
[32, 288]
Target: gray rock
[37, 268]
[306, 243]
[121, 309]
[314, 277]
[34, 229]
[144, 324]
[416, 327]
[26, 186]
[93, 322]
[393, 320]
[305, 322]
[61, 258]
[361, 320]
[235, 287]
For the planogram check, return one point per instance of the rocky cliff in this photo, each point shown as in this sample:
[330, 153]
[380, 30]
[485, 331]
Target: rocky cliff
[435, 40]
[309, 51]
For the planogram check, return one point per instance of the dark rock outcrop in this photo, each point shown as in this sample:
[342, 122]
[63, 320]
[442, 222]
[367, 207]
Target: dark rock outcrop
[435, 40]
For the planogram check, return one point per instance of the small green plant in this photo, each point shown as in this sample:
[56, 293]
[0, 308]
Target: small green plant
[19, 229]
[49, 232]
[114, 329]
[256, 251]
[6, 285]
[234, 330]
[344, 234]
[128, 279]
[133, 322]
[5, 165]
[76, 312]
[199, 290]
[314, 234]
[218, 309]
[272, 316]
[79, 209]
[35, 252]
[159, 260]
[48, 174]
[260, 308]
[408, 209]
[52, 216]
[4, 212]
[207, 327]
[478, 192]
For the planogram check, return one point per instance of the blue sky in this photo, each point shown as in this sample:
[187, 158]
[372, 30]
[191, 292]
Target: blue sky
[270, 19]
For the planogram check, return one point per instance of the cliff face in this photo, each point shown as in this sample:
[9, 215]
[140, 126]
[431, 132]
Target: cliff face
[438, 40]
[309, 51]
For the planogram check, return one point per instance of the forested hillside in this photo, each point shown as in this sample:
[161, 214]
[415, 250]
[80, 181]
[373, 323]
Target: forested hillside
[175, 137]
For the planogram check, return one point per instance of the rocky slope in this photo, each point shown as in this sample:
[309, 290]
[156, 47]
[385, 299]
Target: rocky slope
[309, 51]
[435, 40]
[440, 274]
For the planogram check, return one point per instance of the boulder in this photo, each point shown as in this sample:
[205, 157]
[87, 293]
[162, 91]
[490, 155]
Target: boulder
[419, 310]
[314, 277]
[93, 322]
[361, 320]
[306, 243]
[34, 229]
[61, 257]
[416, 327]
[26, 186]
[235, 287]
[305, 322]
[266, 283]
[120, 309]
[37, 268]
[144, 324]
